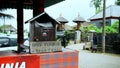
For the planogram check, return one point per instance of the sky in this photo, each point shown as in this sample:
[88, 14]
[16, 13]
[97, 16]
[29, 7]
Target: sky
[68, 8]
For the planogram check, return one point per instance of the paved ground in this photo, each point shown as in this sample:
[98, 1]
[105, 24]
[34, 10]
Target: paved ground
[95, 60]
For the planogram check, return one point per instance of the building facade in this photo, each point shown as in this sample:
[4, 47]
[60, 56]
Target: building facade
[112, 15]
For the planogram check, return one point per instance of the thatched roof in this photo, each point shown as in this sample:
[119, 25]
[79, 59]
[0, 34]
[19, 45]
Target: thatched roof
[79, 19]
[62, 19]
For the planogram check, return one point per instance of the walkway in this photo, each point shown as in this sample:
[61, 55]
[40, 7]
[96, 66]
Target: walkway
[95, 60]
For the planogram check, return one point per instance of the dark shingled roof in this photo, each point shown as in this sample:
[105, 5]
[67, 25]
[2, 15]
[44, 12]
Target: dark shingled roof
[62, 19]
[27, 3]
[43, 17]
[79, 19]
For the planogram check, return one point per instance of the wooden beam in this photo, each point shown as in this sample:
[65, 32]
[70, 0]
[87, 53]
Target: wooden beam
[38, 7]
[20, 25]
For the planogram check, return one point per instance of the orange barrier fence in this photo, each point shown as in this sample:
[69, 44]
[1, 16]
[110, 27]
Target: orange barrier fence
[66, 59]
[59, 60]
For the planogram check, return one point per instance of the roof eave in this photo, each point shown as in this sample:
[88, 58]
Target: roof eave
[111, 17]
[27, 5]
[32, 19]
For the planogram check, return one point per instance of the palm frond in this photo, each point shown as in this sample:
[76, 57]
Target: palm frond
[2, 15]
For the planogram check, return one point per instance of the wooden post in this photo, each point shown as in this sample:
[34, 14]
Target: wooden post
[38, 7]
[78, 25]
[60, 26]
[104, 23]
[20, 25]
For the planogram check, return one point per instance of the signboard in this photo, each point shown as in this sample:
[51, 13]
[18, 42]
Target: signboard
[45, 46]
[24, 61]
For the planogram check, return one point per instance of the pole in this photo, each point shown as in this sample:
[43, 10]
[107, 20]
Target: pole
[38, 7]
[104, 23]
[20, 25]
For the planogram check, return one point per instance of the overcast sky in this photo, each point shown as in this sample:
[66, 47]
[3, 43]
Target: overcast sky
[68, 8]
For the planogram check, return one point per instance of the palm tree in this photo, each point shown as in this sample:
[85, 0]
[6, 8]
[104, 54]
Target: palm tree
[97, 4]
[2, 15]
[5, 15]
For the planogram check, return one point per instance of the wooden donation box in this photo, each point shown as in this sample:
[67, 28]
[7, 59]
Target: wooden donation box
[43, 33]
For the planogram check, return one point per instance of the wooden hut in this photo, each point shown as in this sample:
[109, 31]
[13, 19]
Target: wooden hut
[42, 28]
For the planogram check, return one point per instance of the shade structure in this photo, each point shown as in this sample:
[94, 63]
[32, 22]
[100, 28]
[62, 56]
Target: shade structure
[27, 3]
[62, 19]
[79, 19]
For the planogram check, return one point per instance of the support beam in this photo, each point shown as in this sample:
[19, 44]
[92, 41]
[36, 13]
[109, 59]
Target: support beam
[38, 7]
[78, 25]
[20, 25]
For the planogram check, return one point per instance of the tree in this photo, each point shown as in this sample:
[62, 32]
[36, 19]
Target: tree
[2, 15]
[117, 2]
[97, 5]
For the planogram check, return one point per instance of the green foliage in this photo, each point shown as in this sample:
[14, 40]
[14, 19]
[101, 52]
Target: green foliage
[84, 30]
[109, 29]
[117, 2]
[97, 5]
[115, 25]
[99, 10]
[94, 27]
[67, 35]
[2, 27]
[2, 15]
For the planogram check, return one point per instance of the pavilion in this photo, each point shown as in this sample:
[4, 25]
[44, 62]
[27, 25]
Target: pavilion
[62, 21]
[79, 20]
[37, 6]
